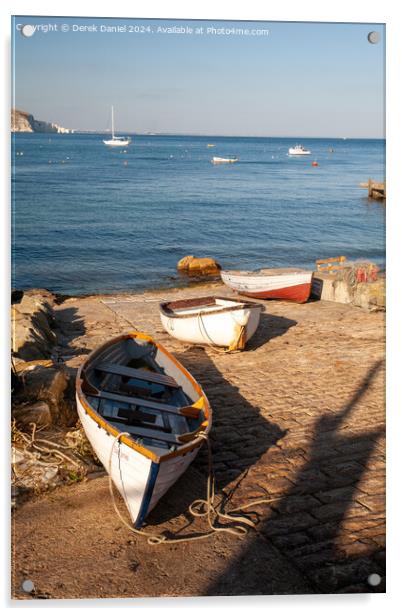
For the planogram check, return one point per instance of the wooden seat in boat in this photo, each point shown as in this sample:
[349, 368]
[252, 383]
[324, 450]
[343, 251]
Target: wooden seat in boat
[157, 406]
[134, 373]
[159, 435]
[185, 411]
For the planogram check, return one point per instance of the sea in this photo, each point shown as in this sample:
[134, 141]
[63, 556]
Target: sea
[91, 219]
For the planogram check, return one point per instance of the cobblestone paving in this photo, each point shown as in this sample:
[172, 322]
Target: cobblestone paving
[298, 415]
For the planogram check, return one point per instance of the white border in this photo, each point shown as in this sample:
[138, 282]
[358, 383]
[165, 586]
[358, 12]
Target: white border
[286, 10]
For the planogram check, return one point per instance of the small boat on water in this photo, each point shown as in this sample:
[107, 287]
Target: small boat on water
[116, 141]
[216, 321]
[133, 385]
[216, 160]
[293, 284]
[298, 150]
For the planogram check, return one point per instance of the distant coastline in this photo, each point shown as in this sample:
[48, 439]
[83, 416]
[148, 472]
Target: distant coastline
[24, 122]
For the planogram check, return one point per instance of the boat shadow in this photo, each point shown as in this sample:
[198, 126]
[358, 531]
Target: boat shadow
[270, 326]
[240, 435]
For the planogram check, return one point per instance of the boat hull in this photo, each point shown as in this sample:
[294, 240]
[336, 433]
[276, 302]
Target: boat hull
[115, 143]
[295, 287]
[231, 327]
[219, 161]
[140, 475]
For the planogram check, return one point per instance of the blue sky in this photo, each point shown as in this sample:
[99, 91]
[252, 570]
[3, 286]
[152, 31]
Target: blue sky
[302, 79]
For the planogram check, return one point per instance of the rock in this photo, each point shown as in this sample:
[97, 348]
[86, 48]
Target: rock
[49, 383]
[38, 413]
[16, 296]
[196, 266]
[370, 295]
[185, 262]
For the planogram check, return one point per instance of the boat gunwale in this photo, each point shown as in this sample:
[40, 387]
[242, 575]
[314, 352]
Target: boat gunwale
[276, 272]
[241, 305]
[102, 423]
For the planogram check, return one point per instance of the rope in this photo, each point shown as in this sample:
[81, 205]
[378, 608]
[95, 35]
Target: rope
[198, 508]
[231, 349]
[120, 316]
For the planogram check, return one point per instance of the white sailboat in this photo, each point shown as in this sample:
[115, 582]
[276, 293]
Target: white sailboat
[116, 141]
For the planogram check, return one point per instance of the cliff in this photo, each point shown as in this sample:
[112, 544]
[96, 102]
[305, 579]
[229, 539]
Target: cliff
[23, 122]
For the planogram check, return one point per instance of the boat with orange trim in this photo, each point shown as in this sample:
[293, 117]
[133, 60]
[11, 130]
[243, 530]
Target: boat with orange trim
[145, 416]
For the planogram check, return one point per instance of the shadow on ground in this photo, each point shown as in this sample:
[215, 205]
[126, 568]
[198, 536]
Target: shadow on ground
[270, 327]
[239, 436]
[327, 484]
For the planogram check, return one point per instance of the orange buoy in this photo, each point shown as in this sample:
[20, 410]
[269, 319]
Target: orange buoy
[314, 163]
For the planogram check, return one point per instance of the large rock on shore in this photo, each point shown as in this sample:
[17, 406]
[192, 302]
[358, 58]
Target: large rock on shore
[196, 266]
[45, 382]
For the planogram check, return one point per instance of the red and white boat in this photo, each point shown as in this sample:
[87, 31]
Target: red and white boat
[292, 284]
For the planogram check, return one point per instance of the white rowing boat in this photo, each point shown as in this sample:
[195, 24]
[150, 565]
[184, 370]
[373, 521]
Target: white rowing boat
[216, 321]
[144, 415]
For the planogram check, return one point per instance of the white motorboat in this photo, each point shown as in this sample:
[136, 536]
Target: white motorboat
[145, 416]
[116, 141]
[298, 150]
[216, 160]
[216, 321]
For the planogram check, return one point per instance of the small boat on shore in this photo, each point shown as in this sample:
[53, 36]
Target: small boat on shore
[216, 321]
[292, 284]
[217, 160]
[298, 150]
[144, 415]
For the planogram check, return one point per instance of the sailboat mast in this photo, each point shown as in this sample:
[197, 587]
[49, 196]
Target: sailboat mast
[112, 122]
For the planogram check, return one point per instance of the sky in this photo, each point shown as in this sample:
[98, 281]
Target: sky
[292, 79]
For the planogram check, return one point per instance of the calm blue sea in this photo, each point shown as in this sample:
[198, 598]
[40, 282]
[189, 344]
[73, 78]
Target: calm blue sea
[89, 219]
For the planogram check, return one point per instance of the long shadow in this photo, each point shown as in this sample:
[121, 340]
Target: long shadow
[306, 522]
[68, 327]
[233, 438]
[270, 326]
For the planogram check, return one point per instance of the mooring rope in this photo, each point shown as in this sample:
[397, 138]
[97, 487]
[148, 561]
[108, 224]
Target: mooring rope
[231, 349]
[207, 504]
[120, 316]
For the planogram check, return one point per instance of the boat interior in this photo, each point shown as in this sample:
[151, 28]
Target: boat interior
[127, 386]
[192, 307]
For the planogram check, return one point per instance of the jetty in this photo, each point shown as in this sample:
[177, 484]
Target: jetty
[376, 190]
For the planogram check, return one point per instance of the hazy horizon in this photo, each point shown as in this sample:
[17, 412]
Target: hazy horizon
[305, 79]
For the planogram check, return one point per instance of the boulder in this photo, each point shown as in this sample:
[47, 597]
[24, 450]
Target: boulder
[37, 413]
[44, 382]
[370, 295]
[196, 266]
[184, 262]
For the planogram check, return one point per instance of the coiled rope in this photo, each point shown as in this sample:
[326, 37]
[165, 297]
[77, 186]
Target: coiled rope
[198, 508]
